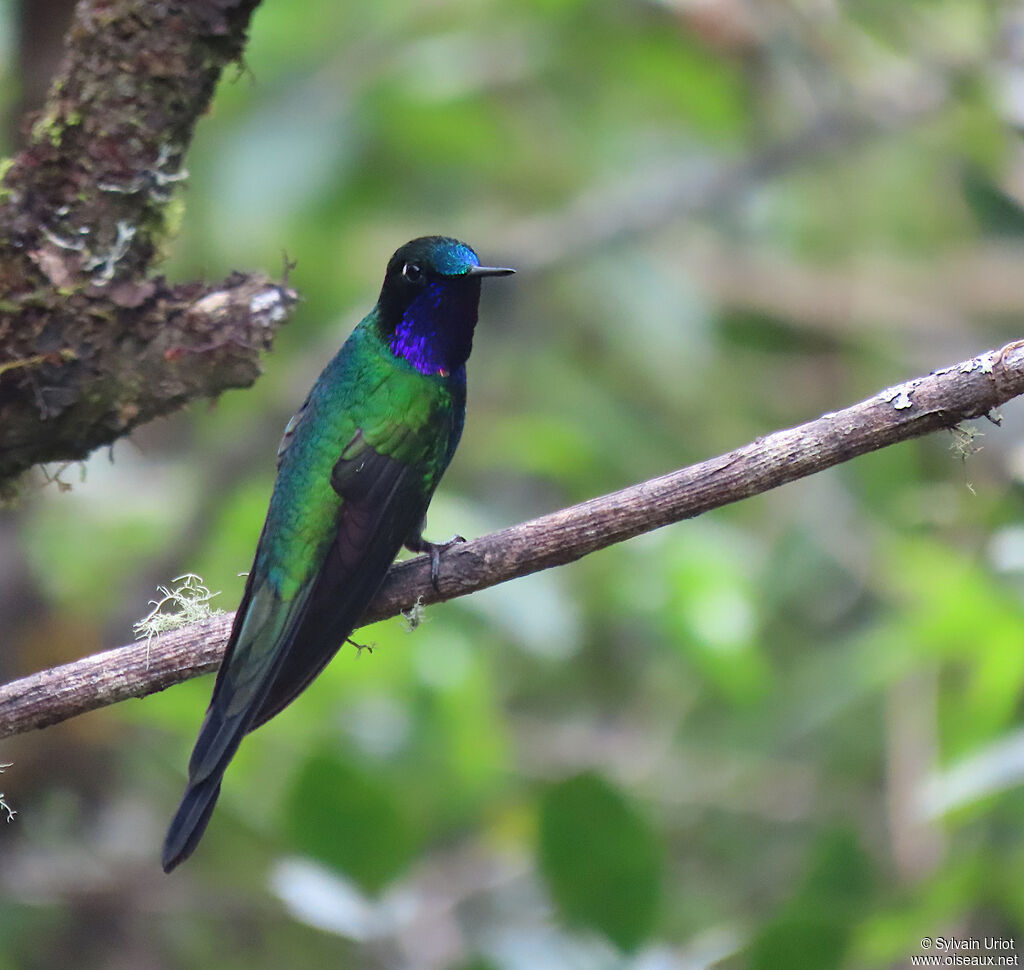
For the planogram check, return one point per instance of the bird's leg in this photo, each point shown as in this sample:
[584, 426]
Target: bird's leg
[416, 543]
[360, 647]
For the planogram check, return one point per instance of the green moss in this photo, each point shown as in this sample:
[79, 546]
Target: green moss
[52, 125]
[172, 215]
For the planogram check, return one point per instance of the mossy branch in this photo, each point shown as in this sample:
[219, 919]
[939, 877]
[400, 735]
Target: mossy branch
[90, 344]
[970, 389]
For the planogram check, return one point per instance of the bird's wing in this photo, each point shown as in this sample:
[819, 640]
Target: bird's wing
[278, 645]
[382, 500]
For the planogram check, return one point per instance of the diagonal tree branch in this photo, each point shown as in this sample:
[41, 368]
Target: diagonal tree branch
[970, 389]
[90, 345]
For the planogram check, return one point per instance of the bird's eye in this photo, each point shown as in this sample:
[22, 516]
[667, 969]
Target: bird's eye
[412, 273]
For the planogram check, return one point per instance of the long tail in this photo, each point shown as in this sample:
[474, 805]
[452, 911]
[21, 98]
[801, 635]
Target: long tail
[264, 629]
[219, 738]
[189, 823]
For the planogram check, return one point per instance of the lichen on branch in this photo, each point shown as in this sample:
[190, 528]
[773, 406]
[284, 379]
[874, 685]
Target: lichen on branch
[90, 344]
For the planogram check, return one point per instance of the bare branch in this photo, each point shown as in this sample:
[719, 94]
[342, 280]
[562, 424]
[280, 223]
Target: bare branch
[944, 398]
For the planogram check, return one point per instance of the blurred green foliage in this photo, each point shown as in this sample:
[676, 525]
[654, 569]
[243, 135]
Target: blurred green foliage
[785, 734]
[600, 859]
[351, 819]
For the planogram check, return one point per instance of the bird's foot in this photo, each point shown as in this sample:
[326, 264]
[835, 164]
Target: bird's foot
[360, 647]
[434, 549]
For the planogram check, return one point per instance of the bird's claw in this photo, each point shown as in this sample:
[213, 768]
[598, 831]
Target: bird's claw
[435, 549]
[360, 647]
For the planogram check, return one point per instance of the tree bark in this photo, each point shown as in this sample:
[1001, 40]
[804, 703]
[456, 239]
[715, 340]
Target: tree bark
[970, 389]
[90, 344]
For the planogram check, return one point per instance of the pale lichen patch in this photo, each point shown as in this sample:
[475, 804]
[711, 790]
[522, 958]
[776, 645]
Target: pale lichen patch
[271, 306]
[106, 265]
[414, 616]
[983, 362]
[964, 441]
[899, 396]
[187, 603]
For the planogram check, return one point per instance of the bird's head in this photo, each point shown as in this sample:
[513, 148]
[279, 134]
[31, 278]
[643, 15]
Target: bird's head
[428, 304]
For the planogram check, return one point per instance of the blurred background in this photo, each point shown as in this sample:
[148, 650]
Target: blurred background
[786, 734]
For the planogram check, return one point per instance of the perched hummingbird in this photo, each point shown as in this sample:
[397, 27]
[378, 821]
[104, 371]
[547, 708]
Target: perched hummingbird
[356, 469]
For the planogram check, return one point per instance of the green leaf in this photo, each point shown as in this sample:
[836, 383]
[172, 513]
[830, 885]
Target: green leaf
[600, 858]
[350, 820]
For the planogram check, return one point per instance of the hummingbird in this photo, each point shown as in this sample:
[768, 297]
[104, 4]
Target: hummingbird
[356, 469]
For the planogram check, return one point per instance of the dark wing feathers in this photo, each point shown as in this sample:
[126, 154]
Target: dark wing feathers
[383, 499]
[277, 648]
